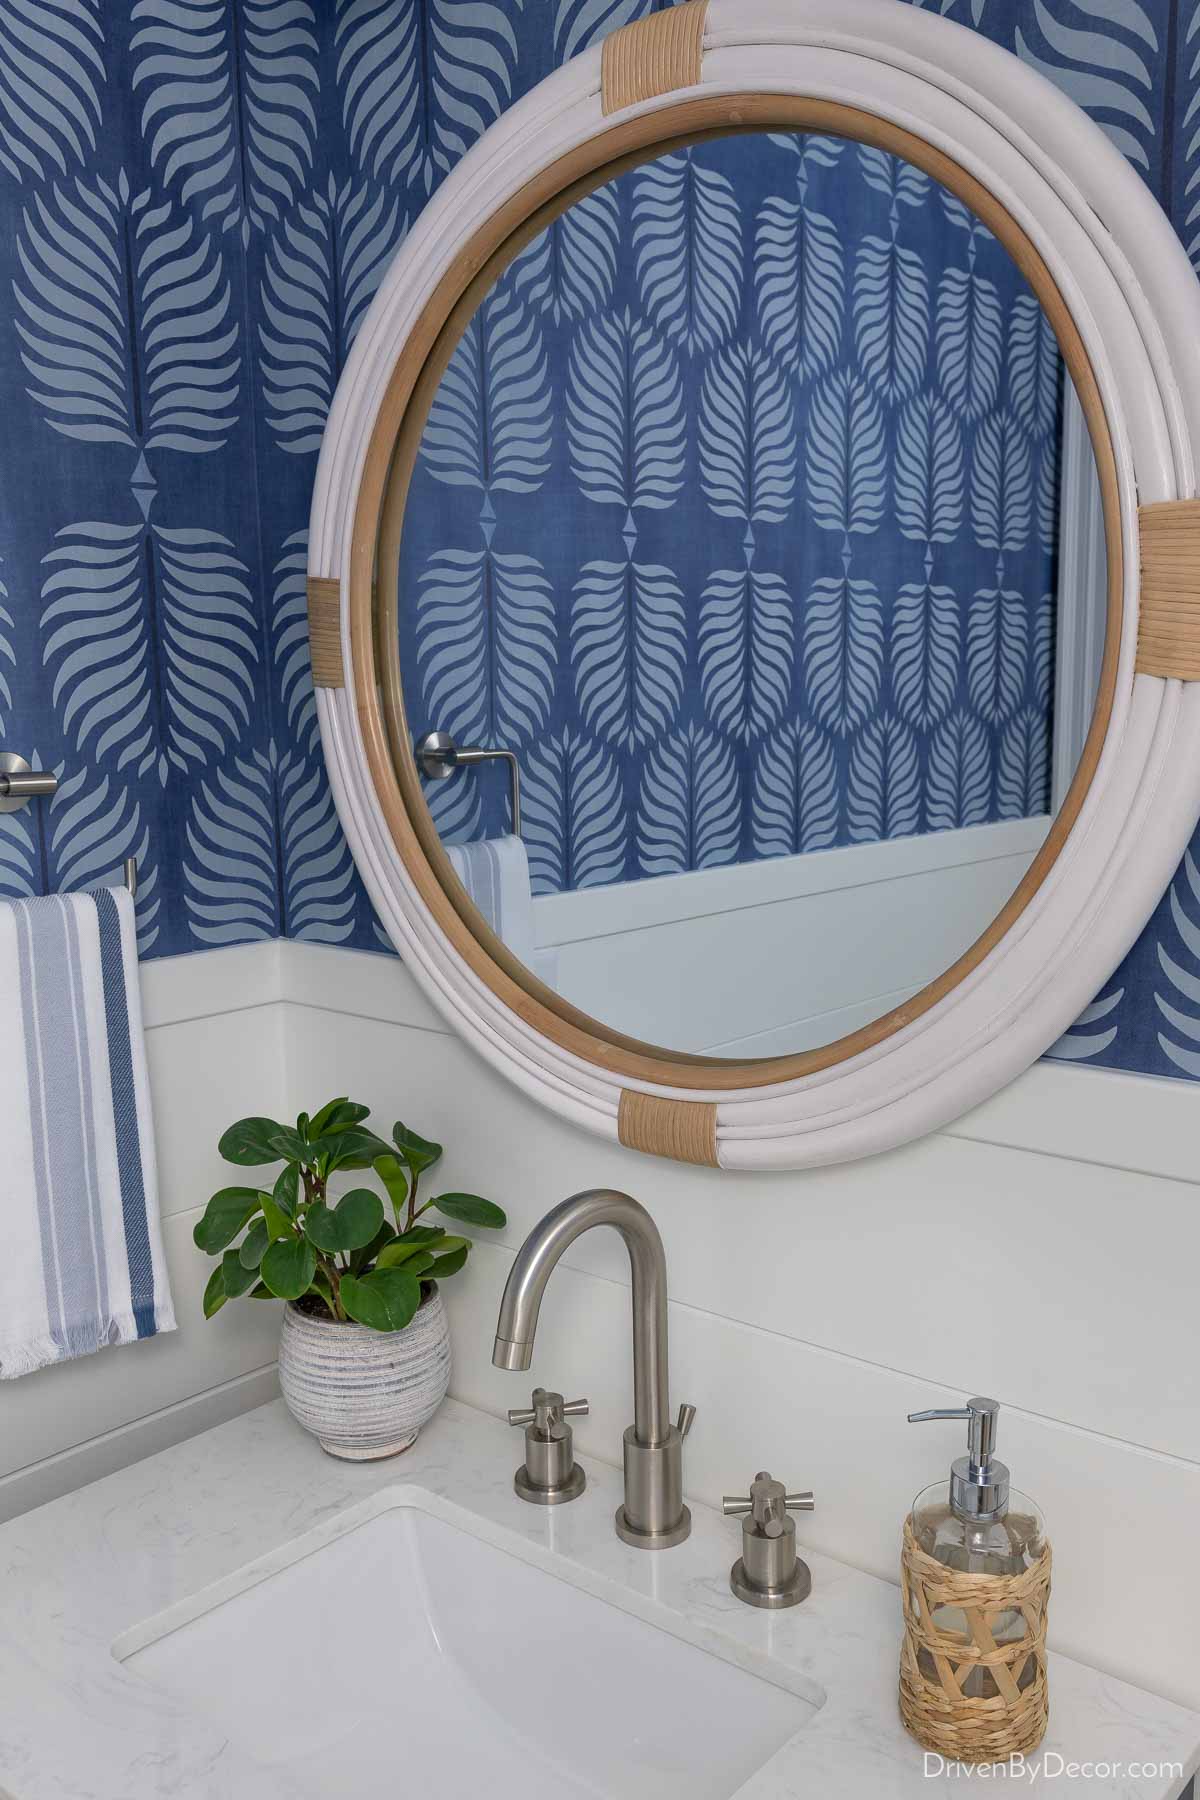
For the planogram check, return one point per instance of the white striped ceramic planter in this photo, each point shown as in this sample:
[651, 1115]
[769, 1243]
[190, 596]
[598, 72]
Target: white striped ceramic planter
[365, 1394]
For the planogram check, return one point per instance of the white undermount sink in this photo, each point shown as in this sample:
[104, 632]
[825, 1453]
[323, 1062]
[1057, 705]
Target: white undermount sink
[411, 1656]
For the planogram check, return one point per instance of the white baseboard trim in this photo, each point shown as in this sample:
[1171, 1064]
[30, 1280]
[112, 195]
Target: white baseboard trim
[54, 1476]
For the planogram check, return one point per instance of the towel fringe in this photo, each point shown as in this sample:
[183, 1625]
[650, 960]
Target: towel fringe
[43, 1351]
[34, 1353]
[164, 1316]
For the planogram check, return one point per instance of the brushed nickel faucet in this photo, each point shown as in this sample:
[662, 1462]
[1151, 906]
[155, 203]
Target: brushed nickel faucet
[653, 1516]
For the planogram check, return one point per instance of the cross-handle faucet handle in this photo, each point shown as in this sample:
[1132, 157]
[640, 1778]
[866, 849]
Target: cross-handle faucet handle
[549, 1473]
[548, 1408]
[768, 1503]
[768, 1572]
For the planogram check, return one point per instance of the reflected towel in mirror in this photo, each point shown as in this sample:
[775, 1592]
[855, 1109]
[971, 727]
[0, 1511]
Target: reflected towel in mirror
[495, 873]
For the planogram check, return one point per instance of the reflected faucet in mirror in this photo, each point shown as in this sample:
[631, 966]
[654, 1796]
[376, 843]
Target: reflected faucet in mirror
[653, 1515]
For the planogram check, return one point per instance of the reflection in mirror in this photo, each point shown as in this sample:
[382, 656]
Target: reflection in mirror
[751, 516]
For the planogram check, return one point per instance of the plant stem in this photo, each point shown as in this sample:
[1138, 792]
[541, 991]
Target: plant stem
[335, 1282]
[412, 1197]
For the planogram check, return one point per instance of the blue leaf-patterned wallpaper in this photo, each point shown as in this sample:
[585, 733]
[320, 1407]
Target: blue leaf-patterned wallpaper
[735, 515]
[197, 198]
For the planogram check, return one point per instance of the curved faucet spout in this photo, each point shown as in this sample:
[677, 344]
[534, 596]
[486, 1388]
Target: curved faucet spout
[536, 1259]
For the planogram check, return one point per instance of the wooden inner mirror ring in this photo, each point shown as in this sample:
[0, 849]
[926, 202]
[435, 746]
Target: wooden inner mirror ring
[378, 523]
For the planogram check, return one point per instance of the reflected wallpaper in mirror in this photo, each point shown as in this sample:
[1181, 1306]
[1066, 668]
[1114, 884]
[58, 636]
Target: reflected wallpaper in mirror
[736, 518]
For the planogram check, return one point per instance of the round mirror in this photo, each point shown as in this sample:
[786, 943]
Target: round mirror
[748, 556]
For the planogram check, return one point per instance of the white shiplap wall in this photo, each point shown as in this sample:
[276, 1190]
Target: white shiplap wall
[810, 1312]
[1045, 1249]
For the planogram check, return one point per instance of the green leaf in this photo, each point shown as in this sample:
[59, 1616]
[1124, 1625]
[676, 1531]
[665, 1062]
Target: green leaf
[323, 1114]
[419, 1258]
[261, 1292]
[302, 1126]
[355, 1148]
[321, 1149]
[394, 1178]
[288, 1268]
[253, 1245]
[398, 1255]
[278, 1224]
[286, 1192]
[214, 1294]
[423, 1234]
[385, 1300]
[249, 1142]
[469, 1209]
[239, 1276]
[446, 1246]
[335, 1115]
[450, 1264]
[224, 1217]
[286, 1142]
[418, 1152]
[353, 1222]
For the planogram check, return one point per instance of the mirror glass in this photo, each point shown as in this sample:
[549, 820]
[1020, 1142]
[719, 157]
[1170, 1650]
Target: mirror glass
[755, 517]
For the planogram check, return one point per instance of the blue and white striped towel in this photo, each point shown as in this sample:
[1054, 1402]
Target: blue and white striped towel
[495, 873]
[81, 1257]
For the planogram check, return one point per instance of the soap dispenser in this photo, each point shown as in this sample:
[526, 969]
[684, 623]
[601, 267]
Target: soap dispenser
[975, 1579]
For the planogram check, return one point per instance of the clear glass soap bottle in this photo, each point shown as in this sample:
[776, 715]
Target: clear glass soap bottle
[980, 1525]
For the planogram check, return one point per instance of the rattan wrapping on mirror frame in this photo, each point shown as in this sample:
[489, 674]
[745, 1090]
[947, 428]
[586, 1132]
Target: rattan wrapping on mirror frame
[652, 56]
[1169, 617]
[683, 1129]
[325, 631]
[937, 1713]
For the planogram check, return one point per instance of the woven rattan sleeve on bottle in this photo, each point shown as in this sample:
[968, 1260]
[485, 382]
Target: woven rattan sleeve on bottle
[934, 1708]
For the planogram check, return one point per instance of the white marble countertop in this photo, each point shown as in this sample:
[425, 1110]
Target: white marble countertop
[85, 1571]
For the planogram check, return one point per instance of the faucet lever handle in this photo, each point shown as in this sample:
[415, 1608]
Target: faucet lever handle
[684, 1422]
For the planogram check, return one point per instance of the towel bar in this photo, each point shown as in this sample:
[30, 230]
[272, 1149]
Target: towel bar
[438, 756]
[19, 784]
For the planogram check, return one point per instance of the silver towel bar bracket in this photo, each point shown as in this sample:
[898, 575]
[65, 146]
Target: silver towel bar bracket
[438, 756]
[19, 784]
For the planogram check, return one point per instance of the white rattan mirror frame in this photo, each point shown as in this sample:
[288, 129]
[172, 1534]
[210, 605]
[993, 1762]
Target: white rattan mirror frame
[1108, 264]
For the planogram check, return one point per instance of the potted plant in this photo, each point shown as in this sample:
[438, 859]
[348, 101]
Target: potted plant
[364, 1355]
